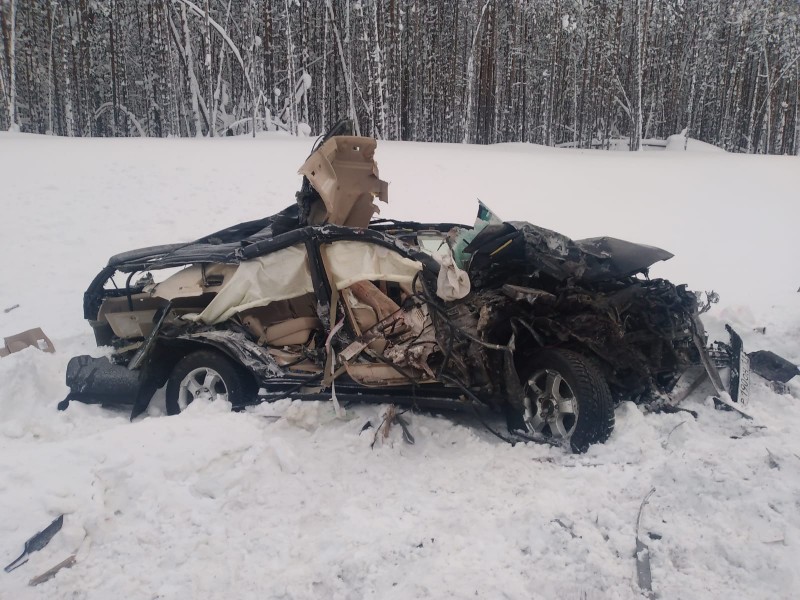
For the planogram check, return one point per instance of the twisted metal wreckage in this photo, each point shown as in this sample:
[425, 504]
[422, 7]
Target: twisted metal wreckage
[321, 302]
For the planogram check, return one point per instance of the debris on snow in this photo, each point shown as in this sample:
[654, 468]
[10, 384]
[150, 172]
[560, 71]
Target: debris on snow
[772, 367]
[20, 341]
[50, 573]
[644, 576]
[772, 461]
[567, 528]
[390, 417]
[665, 443]
[36, 543]
[407, 437]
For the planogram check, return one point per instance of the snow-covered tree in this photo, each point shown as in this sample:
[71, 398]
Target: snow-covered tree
[576, 72]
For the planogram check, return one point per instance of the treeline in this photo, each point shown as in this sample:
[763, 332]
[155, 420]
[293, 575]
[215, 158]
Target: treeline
[555, 72]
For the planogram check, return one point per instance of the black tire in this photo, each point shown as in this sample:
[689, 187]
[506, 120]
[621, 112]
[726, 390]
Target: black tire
[233, 380]
[586, 394]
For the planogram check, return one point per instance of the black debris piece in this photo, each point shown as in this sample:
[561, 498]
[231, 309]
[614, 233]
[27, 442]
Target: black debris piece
[771, 366]
[36, 543]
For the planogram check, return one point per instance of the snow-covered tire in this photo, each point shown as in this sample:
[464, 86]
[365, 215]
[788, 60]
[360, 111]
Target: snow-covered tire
[566, 397]
[206, 374]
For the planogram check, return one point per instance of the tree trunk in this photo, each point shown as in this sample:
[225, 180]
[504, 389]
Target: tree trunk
[209, 75]
[468, 117]
[13, 125]
[380, 72]
[194, 88]
[636, 141]
[69, 117]
[345, 70]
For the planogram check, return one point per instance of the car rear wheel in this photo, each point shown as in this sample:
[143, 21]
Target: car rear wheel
[566, 399]
[206, 375]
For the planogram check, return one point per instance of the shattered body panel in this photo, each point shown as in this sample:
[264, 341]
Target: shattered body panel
[320, 298]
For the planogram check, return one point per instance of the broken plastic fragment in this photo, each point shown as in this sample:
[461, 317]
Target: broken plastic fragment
[771, 366]
[463, 237]
[36, 543]
[32, 337]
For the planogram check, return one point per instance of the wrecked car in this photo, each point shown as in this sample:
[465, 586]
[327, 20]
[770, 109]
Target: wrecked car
[323, 301]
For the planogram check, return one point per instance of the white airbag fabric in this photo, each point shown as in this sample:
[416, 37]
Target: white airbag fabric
[453, 283]
[278, 276]
[350, 262]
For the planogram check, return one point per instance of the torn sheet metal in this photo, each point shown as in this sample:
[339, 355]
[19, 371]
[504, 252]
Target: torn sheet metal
[513, 247]
[616, 258]
[255, 358]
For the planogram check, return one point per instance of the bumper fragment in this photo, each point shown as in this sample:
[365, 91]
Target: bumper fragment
[99, 381]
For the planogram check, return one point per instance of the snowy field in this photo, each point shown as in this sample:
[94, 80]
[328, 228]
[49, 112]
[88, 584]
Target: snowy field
[287, 501]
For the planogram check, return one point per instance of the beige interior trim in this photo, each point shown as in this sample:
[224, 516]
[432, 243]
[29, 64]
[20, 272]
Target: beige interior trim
[281, 275]
[345, 174]
[32, 337]
[349, 262]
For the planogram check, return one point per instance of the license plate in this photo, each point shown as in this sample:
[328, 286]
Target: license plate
[740, 369]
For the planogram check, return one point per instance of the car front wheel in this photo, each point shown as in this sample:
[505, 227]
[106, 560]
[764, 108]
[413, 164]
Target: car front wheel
[566, 399]
[205, 375]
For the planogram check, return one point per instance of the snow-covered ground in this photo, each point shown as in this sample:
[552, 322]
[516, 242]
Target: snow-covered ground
[287, 501]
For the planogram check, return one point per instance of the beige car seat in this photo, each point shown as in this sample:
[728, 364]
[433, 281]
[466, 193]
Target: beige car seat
[283, 323]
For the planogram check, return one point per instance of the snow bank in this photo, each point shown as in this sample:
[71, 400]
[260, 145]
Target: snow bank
[679, 143]
[287, 501]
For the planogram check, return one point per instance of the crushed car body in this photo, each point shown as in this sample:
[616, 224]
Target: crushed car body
[322, 300]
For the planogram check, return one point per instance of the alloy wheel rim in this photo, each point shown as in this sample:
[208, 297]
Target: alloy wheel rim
[550, 405]
[203, 383]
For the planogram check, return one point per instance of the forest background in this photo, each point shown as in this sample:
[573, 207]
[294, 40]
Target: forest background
[577, 73]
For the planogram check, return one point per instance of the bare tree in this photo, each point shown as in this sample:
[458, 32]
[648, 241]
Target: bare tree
[468, 117]
[11, 53]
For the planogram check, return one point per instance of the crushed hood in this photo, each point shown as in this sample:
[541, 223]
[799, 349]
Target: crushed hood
[618, 258]
[520, 248]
